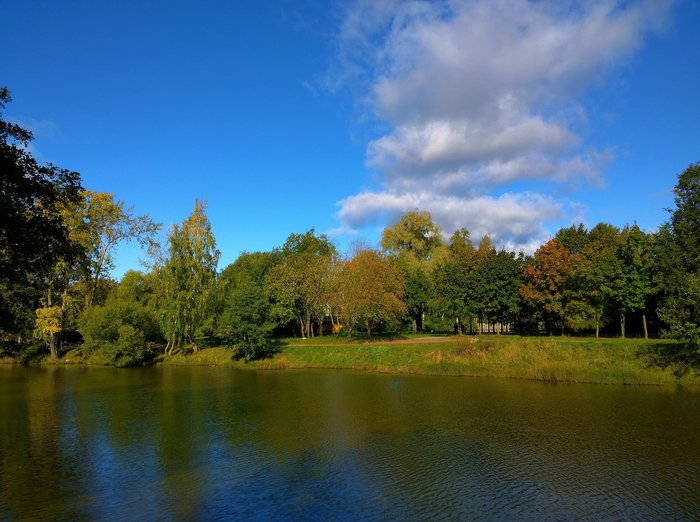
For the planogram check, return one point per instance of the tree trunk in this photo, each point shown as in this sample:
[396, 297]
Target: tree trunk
[52, 346]
[644, 322]
[622, 324]
[597, 325]
[414, 325]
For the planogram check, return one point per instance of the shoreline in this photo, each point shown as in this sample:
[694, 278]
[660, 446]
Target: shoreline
[544, 359]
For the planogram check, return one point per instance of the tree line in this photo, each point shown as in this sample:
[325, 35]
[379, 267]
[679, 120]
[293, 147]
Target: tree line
[57, 245]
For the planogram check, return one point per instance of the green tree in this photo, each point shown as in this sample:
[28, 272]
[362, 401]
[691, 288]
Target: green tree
[499, 277]
[124, 328]
[635, 285]
[33, 235]
[685, 219]
[188, 293]
[678, 259]
[575, 238]
[414, 241]
[455, 281]
[298, 282]
[247, 322]
[602, 270]
[99, 223]
[414, 234]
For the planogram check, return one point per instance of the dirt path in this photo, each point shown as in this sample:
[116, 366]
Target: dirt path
[416, 340]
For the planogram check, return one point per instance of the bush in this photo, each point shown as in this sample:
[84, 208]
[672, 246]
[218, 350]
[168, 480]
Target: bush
[254, 344]
[131, 348]
[436, 324]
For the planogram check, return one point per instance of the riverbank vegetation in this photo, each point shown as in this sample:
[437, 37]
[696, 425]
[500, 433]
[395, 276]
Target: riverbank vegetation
[58, 240]
[549, 359]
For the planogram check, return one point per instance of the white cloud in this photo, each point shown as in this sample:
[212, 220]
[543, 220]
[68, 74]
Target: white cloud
[480, 95]
[509, 219]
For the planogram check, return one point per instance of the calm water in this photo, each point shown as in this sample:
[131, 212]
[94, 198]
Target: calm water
[201, 443]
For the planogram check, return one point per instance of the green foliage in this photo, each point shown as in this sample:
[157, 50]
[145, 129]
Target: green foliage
[499, 277]
[299, 281]
[439, 324]
[121, 331]
[678, 253]
[635, 284]
[99, 224]
[416, 242]
[455, 281]
[685, 220]
[414, 234]
[33, 235]
[130, 348]
[575, 238]
[246, 321]
[188, 287]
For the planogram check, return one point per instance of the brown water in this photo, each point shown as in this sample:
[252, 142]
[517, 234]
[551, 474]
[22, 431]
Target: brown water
[202, 443]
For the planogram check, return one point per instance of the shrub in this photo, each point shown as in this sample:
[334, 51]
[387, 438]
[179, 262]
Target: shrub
[131, 348]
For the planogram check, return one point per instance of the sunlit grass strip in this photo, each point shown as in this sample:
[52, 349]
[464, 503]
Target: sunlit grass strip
[552, 359]
[609, 361]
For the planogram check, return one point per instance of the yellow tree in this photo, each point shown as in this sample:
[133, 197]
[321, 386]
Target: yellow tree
[48, 326]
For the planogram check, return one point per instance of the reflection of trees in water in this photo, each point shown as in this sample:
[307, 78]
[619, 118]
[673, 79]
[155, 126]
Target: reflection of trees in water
[192, 441]
[31, 470]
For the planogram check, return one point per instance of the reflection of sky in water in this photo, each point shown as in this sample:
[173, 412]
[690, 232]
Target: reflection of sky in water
[200, 443]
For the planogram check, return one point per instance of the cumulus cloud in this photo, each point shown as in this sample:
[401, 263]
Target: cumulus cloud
[509, 219]
[479, 95]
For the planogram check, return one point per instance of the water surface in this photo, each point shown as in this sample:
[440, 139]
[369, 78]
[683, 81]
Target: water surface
[200, 443]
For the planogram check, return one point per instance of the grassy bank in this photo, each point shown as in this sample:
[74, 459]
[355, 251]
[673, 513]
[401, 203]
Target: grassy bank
[554, 359]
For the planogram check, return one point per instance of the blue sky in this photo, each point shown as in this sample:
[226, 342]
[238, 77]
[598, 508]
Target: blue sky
[506, 117]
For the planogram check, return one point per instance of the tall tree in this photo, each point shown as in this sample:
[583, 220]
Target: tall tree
[99, 223]
[415, 234]
[499, 278]
[370, 291]
[575, 238]
[635, 285]
[188, 280]
[678, 256]
[602, 270]
[247, 322]
[33, 235]
[414, 240]
[553, 284]
[298, 281]
[455, 281]
[685, 219]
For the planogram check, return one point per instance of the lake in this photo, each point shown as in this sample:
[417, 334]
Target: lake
[203, 443]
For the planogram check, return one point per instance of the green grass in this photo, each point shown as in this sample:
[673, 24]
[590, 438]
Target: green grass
[553, 359]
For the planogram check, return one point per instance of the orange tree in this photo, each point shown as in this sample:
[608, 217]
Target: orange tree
[369, 291]
[553, 284]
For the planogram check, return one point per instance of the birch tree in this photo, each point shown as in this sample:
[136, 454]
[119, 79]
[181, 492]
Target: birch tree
[188, 280]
